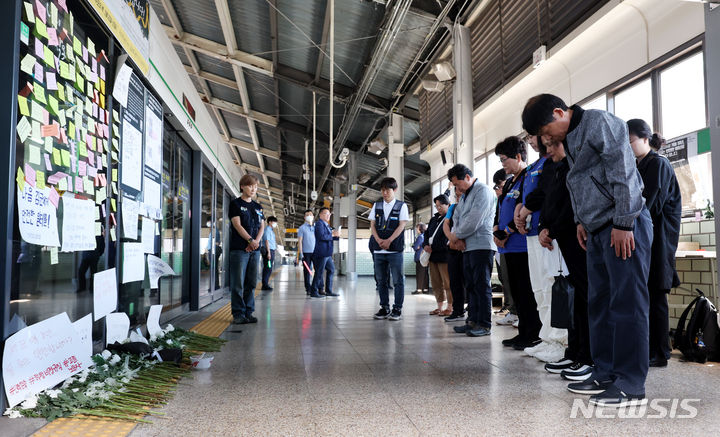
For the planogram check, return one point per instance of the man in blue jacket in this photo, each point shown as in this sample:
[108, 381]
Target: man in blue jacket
[322, 255]
[614, 227]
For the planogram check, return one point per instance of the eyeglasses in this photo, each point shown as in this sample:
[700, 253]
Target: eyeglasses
[502, 160]
[496, 187]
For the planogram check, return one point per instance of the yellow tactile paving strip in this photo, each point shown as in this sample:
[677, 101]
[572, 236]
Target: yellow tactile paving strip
[212, 326]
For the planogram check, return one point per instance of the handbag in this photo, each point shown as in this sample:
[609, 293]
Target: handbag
[425, 256]
[563, 301]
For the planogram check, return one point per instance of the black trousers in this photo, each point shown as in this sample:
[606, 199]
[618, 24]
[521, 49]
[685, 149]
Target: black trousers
[522, 293]
[89, 261]
[659, 325]
[579, 337]
[457, 281]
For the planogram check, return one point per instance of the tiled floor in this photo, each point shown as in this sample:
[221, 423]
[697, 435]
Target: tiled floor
[325, 367]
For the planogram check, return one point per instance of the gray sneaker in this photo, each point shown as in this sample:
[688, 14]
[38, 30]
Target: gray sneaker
[240, 320]
[478, 331]
[395, 314]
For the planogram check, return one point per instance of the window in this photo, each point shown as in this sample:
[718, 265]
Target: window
[635, 102]
[493, 165]
[532, 155]
[682, 90]
[599, 102]
[480, 170]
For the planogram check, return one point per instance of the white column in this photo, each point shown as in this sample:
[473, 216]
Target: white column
[462, 97]
[396, 153]
[712, 70]
[336, 215]
[352, 217]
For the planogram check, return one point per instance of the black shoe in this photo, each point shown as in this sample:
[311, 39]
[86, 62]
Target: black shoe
[321, 292]
[462, 329]
[267, 288]
[331, 294]
[241, 320]
[577, 372]
[395, 314]
[382, 314]
[417, 292]
[658, 362]
[251, 319]
[590, 387]
[455, 317]
[521, 345]
[616, 398]
[314, 295]
[558, 366]
[510, 342]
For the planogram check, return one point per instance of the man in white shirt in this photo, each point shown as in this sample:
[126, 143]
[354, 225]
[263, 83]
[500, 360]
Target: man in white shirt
[387, 226]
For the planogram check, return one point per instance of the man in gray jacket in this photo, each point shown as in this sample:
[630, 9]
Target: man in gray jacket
[472, 228]
[614, 227]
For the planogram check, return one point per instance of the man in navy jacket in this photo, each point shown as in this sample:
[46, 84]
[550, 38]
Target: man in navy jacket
[322, 255]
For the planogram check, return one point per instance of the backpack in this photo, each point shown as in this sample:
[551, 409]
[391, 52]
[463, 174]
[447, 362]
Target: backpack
[700, 342]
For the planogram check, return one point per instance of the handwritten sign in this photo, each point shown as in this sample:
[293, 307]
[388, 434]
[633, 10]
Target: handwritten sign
[157, 268]
[133, 263]
[130, 218]
[104, 293]
[78, 223]
[37, 218]
[153, 320]
[148, 235]
[41, 356]
[117, 326]
[83, 330]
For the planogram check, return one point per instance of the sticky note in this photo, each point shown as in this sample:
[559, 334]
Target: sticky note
[33, 154]
[63, 184]
[41, 29]
[48, 144]
[114, 175]
[53, 14]
[113, 206]
[40, 11]
[39, 94]
[54, 253]
[84, 54]
[28, 12]
[48, 166]
[64, 70]
[53, 102]
[62, 4]
[37, 111]
[28, 63]
[38, 73]
[91, 47]
[79, 185]
[65, 158]
[49, 57]
[24, 33]
[23, 105]
[82, 150]
[46, 116]
[40, 179]
[100, 195]
[98, 229]
[77, 47]
[88, 185]
[112, 232]
[23, 129]
[29, 175]
[51, 130]
[57, 158]
[50, 81]
[54, 197]
[20, 179]
[82, 168]
[52, 37]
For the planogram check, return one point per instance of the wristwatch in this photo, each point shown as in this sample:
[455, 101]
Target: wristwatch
[250, 240]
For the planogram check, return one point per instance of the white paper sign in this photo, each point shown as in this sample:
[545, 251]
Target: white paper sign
[83, 329]
[153, 320]
[117, 326]
[37, 217]
[148, 235]
[157, 268]
[131, 156]
[152, 197]
[129, 209]
[78, 228]
[104, 293]
[153, 141]
[41, 356]
[122, 81]
[133, 263]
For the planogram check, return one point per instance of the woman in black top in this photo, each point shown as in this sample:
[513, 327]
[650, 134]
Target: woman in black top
[663, 200]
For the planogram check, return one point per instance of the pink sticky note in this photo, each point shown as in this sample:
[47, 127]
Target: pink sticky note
[73, 164]
[69, 182]
[95, 110]
[78, 185]
[39, 73]
[106, 131]
[82, 168]
[62, 4]
[51, 81]
[102, 74]
[103, 180]
[102, 208]
[29, 175]
[39, 49]
[46, 116]
[48, 166]
[94, 65]
[54, 197]
[90, 157]
[100, 162]
[92, 172]
[57, 63]
[85, 54]
[40, 11]
[52, 36]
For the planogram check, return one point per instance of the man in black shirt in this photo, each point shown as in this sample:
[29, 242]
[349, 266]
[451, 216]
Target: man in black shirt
[248, 225]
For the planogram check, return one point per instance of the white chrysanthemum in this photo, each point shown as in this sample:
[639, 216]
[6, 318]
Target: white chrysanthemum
[153, 338]
[106, 354]
[13, 414]
[68, 381]
[169, 342]
[29, 403]
[169, 328]
[75, 390]
[105, 367]
[53, 394]
[114, 359]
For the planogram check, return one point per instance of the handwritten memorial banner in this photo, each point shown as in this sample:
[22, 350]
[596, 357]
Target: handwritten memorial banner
[104, 293]
[37, 217]
[78, 219]
[157, 268]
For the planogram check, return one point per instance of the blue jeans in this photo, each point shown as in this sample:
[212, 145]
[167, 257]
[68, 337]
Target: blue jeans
[243, 279]
[478, 269]
[387, 264]
[323, 263]
[307, 276]
[267, 268]
[618, 304]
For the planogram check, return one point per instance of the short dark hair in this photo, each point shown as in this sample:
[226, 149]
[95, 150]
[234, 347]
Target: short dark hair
[323, 209]
[443, 199]
[272, 218]
[541, 147]
[388, 183]
[422, 227]
[499, 176]
[248, 180]
[307, 211]
[511, 146]
[459, 171]
[538, 112]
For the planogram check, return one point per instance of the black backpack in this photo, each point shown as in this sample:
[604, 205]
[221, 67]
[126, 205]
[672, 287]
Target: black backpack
[700, 342]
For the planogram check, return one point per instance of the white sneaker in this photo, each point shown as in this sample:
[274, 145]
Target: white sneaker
[552, 353]
[516, 323]
[509, 319]
[540, 347]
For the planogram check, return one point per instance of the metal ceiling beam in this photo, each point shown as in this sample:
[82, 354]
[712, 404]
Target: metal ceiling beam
[262, 172]
[323, 42]
[244, 145]
[241, 111]
[210, 77]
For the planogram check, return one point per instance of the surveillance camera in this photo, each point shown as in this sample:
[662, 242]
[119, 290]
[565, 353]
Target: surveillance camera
[345, 153]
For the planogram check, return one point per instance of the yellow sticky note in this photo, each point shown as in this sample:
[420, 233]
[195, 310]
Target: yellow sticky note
[49, 57]
[53, 14]
[82, 149]
[65, 158]
[68, 54]
[101, 195]
[112, 204]
[40, 179]
[71, 130]
[102, 86]
[23, 104]
[114, 175]
[33, 154]
[29, 13]
[64, 71]
[77, 47]
[56, 157]
[61, 116]
[20, 179]
[79, 82]
[52, 101]
[102, 100]
[41, 29]
[88, 185]
[61, 93]
[39, 94]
